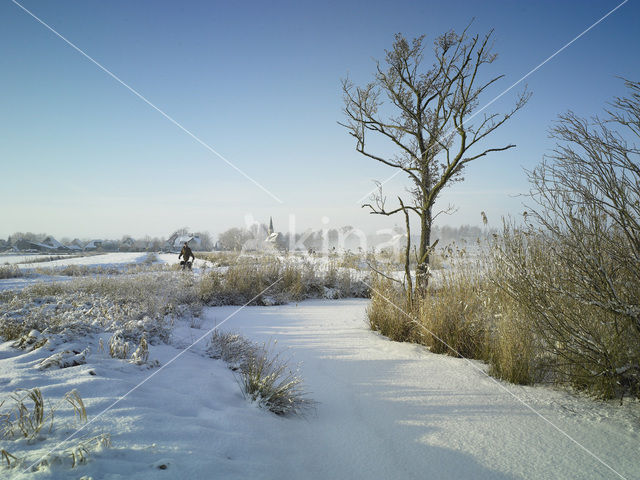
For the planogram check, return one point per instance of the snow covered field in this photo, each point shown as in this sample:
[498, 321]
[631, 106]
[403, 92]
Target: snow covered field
[385, 410]
[12, 259]
[104, 259]
[30, 264]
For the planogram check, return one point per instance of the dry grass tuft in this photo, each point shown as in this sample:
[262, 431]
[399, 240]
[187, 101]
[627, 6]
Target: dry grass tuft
[119, 347]
[464, 313]
[23, 420]
[390, 314]
[268, 381]
[264, 377]
[27, 421]
[141, 355]
[10, 271]
[26, 417]
[8, 458]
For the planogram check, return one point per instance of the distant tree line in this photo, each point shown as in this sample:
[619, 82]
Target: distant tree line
[21, 241]
[346, 237]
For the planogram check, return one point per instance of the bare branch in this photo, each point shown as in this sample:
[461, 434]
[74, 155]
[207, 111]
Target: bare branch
[425, 118]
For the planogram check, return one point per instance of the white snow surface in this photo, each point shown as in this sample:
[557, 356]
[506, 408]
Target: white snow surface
[114, 259]
[385, 410]
[14, 258]
[107, 260]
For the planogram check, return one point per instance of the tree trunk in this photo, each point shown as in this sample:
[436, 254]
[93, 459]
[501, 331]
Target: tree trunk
[424, 253]
[407, 257]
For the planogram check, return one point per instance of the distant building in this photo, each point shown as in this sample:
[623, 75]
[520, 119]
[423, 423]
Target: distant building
[93, 245]
[75, 245]
[270, 242]
[193, 241]
[48, 245]
[24, 245]
[53, 243]
[273, 238]
[176, 242]
[110, 246]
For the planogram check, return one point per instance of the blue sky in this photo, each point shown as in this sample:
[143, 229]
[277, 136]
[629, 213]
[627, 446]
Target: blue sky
[260, 83]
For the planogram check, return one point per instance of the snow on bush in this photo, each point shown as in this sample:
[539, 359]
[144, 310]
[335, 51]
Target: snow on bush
[118, 346]
[233, 348]
[136, 306]
[64, 359]
[30, 341]
[265, 378]
[268, 381]
[141, 354]
[10, 271]
[286, 278]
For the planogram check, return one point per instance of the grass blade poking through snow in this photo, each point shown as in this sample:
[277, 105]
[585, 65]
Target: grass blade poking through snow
[19, 421]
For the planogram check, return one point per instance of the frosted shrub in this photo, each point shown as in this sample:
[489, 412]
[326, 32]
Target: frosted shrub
[220, 259]
[145, 304]
[141, 355]
[390, 314]
[264, 377]
[10, 271]
[577, 342]
[118, 346]
[150, 259]
[209, 286]
[246, 279]
[31, 341]
[67, 358]
[268, 381]
[232, 348]
[286, 280]
[573, 269]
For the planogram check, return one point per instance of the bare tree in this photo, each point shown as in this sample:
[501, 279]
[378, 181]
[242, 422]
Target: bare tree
[576, 267]
[590, 198]
[184, 231]
[427, 121]
[206, 242]
[234, 238]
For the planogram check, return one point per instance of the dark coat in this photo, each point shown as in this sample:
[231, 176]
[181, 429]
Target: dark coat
[186, 253]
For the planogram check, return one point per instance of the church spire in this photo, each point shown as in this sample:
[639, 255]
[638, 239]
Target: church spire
[270, 225]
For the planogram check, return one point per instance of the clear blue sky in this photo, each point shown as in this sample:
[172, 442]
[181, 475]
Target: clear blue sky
[260, 83]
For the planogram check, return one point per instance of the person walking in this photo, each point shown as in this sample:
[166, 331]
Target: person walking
[185, 254]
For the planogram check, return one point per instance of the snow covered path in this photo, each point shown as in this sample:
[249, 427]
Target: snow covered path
[388, 410]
